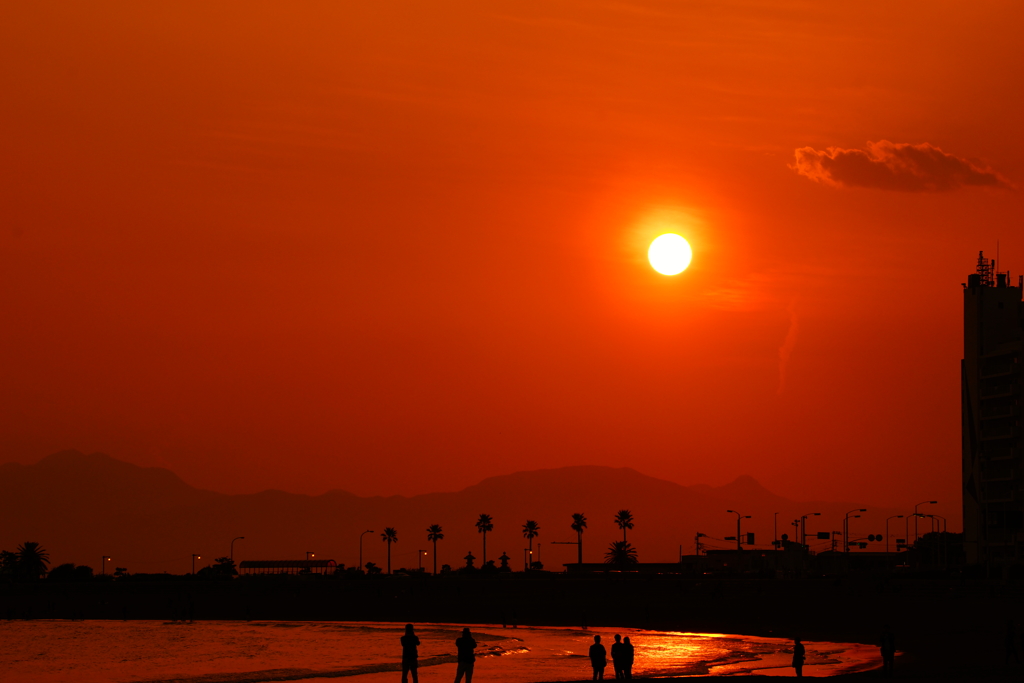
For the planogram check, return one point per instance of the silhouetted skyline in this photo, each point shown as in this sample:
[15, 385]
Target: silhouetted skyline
[149, 520]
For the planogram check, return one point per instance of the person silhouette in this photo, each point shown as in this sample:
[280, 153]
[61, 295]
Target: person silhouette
[627, 669]
[888, 643]
[466, 658]
[798, 657]
[410, 641]
[617, 657]
[598, 658]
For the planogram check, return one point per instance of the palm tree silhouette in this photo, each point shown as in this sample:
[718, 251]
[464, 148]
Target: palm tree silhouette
[32, 560]
[530, 530]
[579, 523]
[389, 536]
[434, 534]
[483, 525]
[620, 552]
[624, 518]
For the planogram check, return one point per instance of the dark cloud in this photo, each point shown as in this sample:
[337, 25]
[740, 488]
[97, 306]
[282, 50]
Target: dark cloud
[893, 166]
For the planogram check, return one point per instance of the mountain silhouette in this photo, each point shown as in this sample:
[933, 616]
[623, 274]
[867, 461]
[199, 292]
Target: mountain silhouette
[81, 507]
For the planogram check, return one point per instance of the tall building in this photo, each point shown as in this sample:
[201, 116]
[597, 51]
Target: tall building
[993, 446]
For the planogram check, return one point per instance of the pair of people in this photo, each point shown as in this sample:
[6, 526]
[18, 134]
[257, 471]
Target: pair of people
[622, 658]
[410, 656]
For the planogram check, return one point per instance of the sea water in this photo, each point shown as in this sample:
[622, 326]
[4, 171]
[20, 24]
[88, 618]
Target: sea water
[43, 651]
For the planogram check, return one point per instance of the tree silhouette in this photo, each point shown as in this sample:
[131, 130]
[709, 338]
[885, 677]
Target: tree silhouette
[620, 552]
[434, 534]
[579, 523]
[624, 518]
[32, 560]
[8, 562]
[389, 536]
[483, 525]
[530, 531]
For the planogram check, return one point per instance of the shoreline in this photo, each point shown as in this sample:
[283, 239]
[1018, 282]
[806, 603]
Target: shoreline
[947, 629]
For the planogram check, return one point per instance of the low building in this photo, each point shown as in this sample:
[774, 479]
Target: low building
[254, 567]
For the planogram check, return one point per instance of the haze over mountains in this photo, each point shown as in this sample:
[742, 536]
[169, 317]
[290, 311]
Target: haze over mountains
[81, 507]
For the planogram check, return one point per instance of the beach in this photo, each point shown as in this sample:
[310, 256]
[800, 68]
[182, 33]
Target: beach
[944, 629]
[43, 651]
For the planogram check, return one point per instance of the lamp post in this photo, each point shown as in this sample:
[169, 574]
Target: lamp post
[906, 528]
[846, 528]
[738, 518]
[775, 531]
[943, 529]
[924, 502]
[420, 554]
[309, 554]
[195, 556]
[368, 531]
[803, 525]
[231, 556]
[887, 531]
[103, 564]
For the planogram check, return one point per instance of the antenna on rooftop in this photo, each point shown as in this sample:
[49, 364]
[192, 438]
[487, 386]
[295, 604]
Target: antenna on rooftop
[985, 270]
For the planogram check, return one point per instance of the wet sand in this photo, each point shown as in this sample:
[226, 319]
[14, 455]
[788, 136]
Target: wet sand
[947, 629]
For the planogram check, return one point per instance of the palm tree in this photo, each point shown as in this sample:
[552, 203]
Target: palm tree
[434, 534]
[624, 518]
[579, 523]
[620, 552]
[483, 525]
[32, 560]
[389, 536]
[530, 530]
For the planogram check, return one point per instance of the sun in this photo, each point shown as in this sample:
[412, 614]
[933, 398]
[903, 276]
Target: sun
[670, 254]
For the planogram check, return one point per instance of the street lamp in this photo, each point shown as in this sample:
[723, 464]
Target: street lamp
[906, 528]
[309, 554]
[103, 564]
[846, 528]
[887, 531]
[368, 531]
[924, 502]
[775, 531]
[943, 521]
[803, 525]
[421, 554]
[195, 557]
[738, 518]
[237, 538]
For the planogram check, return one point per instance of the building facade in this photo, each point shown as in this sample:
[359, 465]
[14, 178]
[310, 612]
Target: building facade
[993, 448]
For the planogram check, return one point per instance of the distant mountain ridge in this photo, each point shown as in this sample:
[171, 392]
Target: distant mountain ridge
[81, 507]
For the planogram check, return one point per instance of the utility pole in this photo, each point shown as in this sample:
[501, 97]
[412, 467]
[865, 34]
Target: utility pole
[739, 517]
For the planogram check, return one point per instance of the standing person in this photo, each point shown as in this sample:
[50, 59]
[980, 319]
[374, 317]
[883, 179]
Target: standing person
[467, 658]
[410, 641]
[888, 650]
[628, 668]
[598, 658]
[798, 657]
[618, 657]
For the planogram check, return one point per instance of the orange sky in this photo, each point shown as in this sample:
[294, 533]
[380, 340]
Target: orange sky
[397, 247]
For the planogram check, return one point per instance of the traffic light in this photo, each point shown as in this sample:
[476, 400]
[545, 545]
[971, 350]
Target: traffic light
[750, 538]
